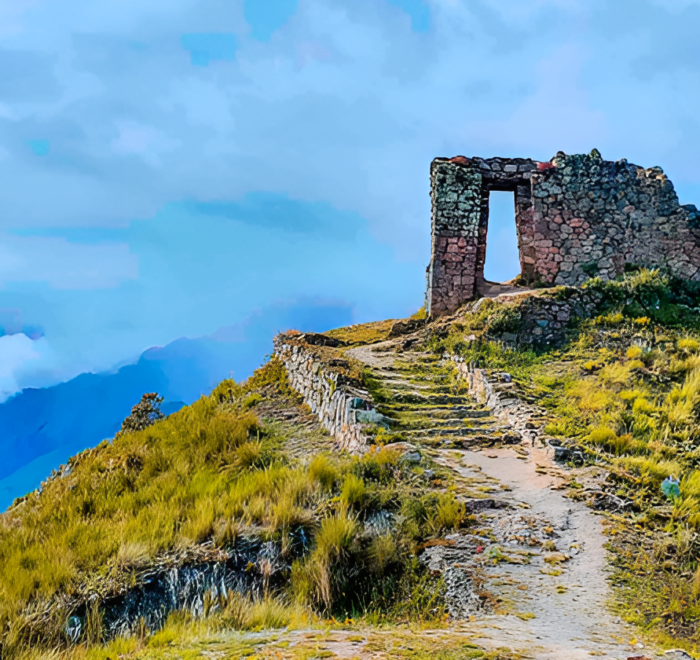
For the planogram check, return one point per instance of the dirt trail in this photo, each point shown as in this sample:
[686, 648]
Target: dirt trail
[540, 555]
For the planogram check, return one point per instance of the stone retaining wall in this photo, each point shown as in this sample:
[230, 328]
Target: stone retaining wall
[495, 391]
[328, 386]
[537, 319]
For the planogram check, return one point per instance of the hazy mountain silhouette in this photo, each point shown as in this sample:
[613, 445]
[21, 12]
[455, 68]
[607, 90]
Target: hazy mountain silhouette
[42, 428]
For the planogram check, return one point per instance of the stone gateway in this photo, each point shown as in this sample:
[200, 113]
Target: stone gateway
[576, 217]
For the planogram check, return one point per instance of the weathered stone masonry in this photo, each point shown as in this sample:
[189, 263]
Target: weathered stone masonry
[576, 216]
[334, 396]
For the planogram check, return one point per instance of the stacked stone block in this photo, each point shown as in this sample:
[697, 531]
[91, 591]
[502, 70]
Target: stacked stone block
[456, 195]
[576, 217]
[332, 396]
[541, 318]
[460, 189]
[592, 217]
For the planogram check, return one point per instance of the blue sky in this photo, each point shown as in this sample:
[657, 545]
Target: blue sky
[171, 167]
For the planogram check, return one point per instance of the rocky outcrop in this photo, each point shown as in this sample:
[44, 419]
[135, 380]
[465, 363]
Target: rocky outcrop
[181, 583]
[329, 385]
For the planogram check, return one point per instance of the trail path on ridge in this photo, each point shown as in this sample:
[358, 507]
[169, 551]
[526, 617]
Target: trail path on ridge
[543, 607]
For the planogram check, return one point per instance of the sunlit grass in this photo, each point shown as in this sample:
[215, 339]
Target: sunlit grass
[209, 474]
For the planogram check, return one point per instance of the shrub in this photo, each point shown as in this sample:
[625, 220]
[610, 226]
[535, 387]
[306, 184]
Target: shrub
[643, 406]
[377, 465]
[242, 612]
[319, 579]
[271, 374]
[226, 391]
[602, 435]
[322, 471]
[354, 492]
[250, 454]
[449, 513]
[252, 400]
[335, 536]
[143, 414]
[651, 470]
[383, 552]
[688, 345]
[611, 320]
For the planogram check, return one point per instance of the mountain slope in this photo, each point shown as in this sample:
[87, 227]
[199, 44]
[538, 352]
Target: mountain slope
[41, 428]
[235, 528]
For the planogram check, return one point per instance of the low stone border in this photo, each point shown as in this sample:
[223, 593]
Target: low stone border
[494, 391]
[325, 382]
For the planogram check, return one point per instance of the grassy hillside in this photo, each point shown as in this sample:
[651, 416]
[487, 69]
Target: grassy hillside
[204, 480]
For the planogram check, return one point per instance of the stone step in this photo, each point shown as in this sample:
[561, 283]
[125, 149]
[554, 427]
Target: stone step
[407, 376]
[398, 384]
[445, 422]
[453, 441]
[406, 410]
[428, 374]
[432, 399]
[462, 431]
[399, 388]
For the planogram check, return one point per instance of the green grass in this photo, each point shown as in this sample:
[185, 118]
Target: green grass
[625, 387]
[209, 474]
[363, 333]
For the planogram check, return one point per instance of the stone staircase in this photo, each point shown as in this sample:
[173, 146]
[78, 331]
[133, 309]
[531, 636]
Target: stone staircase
[427, 406]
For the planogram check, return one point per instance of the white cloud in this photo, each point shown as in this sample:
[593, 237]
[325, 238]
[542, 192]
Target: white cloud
[145, 141]
[15, 352]
[344, 103]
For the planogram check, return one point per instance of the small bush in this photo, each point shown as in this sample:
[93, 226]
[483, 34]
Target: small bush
[143, 414]
[611, 320]
[651, 470]
[271, 374]
[354, 492]
[252, 400]
[688, 345]
[250, 454]
[382, 553]
[643, 406]
[377, 466]
[602, 435]
[449, 513]
[322, 471]
[245, 613]
[335, 536]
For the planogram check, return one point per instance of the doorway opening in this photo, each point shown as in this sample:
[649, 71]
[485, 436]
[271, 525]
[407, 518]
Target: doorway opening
[502, 262]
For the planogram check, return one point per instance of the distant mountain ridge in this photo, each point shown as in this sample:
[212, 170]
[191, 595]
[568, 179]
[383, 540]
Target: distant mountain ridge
[40, 428]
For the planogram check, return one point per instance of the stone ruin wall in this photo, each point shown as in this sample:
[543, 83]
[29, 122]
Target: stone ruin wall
[325, 386]
[576, 217]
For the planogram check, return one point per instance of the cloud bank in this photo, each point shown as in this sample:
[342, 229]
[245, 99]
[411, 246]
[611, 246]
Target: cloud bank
[169, 166]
